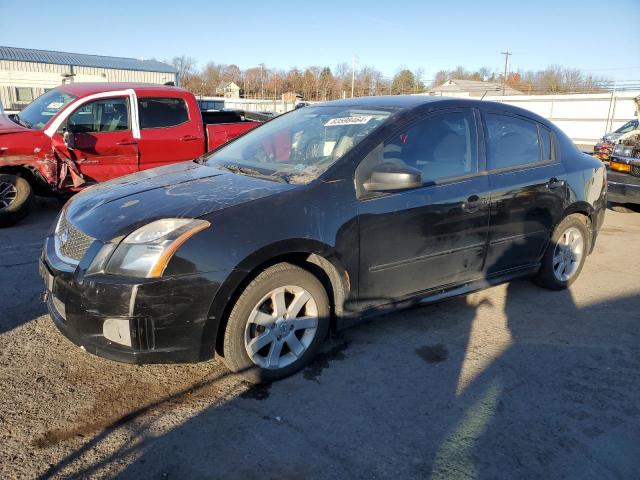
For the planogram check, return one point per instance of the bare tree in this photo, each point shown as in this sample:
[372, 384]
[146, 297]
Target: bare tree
[186, 67]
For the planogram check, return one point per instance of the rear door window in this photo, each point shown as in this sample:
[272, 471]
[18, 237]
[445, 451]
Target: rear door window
[511, 141]
[162, 112]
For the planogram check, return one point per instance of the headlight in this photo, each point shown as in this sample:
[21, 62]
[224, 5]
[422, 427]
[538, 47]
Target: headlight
[623, 150]
[146, 252]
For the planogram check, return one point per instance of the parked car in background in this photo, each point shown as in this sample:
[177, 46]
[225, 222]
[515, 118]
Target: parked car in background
[80, 134]
[624, 174]
[345, 208]
[604, 147]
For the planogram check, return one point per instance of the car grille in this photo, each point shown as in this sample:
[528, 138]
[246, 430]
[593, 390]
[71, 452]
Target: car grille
[71, 242]
[635, 170]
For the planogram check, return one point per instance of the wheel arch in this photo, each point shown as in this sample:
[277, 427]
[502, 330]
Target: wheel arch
[318, 258]
[30, 174]
[585, 210]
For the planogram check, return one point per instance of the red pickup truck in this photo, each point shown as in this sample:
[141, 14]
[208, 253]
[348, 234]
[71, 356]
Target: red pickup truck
[79, 134]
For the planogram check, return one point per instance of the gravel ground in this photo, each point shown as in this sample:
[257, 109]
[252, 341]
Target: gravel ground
[511, 382]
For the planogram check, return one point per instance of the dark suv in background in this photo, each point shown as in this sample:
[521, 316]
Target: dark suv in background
[343, 208]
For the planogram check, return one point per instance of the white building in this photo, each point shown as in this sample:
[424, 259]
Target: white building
[228, 90]
[26, 73]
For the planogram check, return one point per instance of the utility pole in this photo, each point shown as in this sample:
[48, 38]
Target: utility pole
[353, 75]
[506, 54]
[261, 81]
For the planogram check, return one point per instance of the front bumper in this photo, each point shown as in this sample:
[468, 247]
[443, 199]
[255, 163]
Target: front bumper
[623, 187]
[166, 318]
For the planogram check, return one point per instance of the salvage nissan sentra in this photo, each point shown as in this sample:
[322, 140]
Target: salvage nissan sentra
[343, 208]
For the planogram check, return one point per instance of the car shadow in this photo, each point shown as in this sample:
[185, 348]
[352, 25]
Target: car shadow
[20, 247]
[433, 392]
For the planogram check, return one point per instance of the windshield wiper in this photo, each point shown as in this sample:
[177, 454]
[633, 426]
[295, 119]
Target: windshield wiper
[21, 121]
[250, 172]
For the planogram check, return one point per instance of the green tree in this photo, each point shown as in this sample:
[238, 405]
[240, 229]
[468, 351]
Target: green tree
[403, 82]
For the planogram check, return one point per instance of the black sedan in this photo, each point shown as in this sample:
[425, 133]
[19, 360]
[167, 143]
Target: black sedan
[344, 208]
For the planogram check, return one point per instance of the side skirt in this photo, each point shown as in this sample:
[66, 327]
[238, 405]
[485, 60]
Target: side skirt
[440, 294]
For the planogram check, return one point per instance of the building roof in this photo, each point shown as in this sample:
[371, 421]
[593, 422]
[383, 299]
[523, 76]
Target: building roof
[473, 86]
[83, 60]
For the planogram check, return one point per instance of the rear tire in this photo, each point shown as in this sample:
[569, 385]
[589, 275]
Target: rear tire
[565, 255]
[16, 199]
[621, 208]
[277, 324]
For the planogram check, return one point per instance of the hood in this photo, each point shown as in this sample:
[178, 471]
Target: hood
[182, 190]
[611, 137]
[9, 126]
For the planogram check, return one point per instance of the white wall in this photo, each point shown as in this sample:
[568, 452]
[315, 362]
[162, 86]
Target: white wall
[585, 118]
[253, 105]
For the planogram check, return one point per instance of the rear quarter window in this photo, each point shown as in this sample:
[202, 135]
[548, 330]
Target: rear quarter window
[546, 141]
[162, 112]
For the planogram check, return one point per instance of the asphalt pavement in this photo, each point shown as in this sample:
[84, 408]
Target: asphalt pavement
[511, 382]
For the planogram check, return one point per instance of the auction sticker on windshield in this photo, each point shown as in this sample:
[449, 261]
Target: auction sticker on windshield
[359, 120]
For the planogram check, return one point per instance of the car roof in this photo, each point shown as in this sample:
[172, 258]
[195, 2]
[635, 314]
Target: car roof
[84, 89]
[428, 102]
[385, 101]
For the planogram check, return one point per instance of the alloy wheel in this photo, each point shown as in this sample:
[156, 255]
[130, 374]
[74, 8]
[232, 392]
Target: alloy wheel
[8, 194]
[568, 254]
[281, 327]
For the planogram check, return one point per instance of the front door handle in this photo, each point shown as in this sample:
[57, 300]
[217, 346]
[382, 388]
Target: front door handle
[189, 138]
[126, 142]
[472, 204]
[555, 183]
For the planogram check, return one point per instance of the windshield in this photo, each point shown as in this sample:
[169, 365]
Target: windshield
[299, 146]
[628, 127]
[44, 108]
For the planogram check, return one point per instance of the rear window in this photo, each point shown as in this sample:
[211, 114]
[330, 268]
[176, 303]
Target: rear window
[511, 141]
[162, 112]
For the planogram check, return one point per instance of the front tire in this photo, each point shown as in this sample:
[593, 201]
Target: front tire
[16, 198]
[277, 324]
[565, 255]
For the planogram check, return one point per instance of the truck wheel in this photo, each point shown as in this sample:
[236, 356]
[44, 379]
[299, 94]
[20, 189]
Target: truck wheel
[565, 255]
[277, 324]
[16, 197]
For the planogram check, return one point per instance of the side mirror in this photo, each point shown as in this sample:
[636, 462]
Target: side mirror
[69, 139]
[389, 177]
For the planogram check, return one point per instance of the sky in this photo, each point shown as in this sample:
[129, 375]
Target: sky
[598, 37]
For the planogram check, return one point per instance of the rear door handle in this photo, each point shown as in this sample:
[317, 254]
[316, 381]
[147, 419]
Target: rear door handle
[189, 138]
[126, 142]
[555, 183]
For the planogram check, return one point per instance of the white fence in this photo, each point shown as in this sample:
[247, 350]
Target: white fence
[253, 105]
[585, 118]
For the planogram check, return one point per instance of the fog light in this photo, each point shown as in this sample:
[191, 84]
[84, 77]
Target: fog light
[620, 167]
[117, 330]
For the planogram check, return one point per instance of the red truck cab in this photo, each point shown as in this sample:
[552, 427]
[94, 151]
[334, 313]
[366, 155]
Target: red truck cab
[80, 134]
